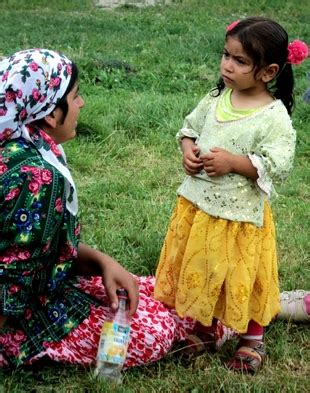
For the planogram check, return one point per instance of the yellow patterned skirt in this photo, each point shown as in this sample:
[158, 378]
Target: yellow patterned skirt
[212, 267]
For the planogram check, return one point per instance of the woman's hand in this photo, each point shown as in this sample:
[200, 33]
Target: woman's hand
[192, 163]
[91, 262]
[114, 277]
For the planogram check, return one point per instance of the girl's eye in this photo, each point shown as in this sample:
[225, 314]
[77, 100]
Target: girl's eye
[225, 54]
[240, 61]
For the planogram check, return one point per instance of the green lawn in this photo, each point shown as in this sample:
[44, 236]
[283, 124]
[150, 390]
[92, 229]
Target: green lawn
[142, 71]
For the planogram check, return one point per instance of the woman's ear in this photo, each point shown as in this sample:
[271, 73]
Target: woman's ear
[270, 72]
[50, 120]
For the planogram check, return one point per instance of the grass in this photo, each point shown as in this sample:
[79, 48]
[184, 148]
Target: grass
[142, 71]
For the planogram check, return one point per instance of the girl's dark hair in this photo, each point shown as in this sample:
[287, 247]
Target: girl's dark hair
[266, 42]
[62, 103]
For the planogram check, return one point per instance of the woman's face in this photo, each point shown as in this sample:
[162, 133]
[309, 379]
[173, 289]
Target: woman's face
[65, 128]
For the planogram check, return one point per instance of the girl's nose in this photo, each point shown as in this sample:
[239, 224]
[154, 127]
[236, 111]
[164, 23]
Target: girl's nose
[228, 65]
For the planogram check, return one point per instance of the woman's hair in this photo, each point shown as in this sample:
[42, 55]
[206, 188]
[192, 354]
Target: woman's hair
[266, 42]
[62, 103]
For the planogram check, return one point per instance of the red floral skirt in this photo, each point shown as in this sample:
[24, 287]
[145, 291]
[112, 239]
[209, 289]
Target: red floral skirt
[155, 328]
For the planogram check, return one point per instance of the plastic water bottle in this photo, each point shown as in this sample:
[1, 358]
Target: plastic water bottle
[113, 342]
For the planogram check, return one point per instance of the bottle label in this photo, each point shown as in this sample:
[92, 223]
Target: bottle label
[113, 343]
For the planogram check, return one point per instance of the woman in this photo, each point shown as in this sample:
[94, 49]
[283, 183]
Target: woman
[55, 291]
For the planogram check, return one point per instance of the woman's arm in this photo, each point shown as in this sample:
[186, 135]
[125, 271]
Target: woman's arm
[2, 321]
[91, 262]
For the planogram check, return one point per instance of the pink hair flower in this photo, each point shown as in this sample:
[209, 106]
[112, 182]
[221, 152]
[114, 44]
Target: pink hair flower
[298, 51]
[232, 25]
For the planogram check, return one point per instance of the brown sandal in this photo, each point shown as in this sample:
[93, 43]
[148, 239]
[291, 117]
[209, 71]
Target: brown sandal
[200, 342]
[195, 345]
[249, 356]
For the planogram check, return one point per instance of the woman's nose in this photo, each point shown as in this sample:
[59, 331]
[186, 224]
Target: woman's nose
[81, 102]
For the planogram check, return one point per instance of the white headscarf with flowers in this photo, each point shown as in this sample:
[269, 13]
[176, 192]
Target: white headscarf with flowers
[31, 84]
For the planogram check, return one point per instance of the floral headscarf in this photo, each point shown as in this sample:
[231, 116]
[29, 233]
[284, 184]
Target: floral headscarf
[31, 84]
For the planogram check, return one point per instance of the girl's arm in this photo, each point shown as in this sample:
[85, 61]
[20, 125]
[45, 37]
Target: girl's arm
[220, 162]
[194, 122]
[91, 262]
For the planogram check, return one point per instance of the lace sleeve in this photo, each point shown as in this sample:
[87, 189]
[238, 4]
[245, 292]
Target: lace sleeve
[263, 182]
[194, 122]
[274, 154]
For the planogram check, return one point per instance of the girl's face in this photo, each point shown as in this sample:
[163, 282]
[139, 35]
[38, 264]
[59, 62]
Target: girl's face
[237, 68]
[65, 129]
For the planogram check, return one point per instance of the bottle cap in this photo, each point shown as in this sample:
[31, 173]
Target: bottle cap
[122, 293]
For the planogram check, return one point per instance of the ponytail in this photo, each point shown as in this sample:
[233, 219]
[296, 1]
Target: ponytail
[219, 87]
[283, 87]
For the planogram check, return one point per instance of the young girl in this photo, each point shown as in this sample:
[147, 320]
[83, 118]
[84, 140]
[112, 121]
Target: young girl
[218, 261]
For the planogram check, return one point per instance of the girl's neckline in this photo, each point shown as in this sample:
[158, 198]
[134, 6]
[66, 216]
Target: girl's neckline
[244, 113]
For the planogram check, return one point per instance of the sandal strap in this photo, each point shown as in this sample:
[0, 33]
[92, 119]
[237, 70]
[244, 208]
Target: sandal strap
[256, 345]
[194, 345]
[249, 356]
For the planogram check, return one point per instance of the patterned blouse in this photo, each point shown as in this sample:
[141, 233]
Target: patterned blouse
[38, 241]
[266, 136]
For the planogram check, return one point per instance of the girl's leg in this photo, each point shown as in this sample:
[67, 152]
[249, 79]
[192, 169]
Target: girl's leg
[250, 352]
[202, 339]
[254, 332]
[206, 338]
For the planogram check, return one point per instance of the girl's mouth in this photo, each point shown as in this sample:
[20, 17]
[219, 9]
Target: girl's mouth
[226, 79]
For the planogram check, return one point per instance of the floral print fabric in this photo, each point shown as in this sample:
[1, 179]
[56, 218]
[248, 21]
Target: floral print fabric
[154, 330]
[38, 241]
[31, 84]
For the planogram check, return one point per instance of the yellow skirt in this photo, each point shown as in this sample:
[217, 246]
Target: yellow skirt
[215, 268]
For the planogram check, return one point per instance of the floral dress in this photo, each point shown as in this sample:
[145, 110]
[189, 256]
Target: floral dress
[38, 240]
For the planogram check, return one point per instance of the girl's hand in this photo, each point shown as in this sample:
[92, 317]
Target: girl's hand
[218, 162]
[192, 163]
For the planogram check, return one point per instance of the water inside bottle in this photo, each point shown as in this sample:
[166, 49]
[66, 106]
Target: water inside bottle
[113, 343]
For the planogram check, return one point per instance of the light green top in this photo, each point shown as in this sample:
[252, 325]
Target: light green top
[226, 112]
[265, 135]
